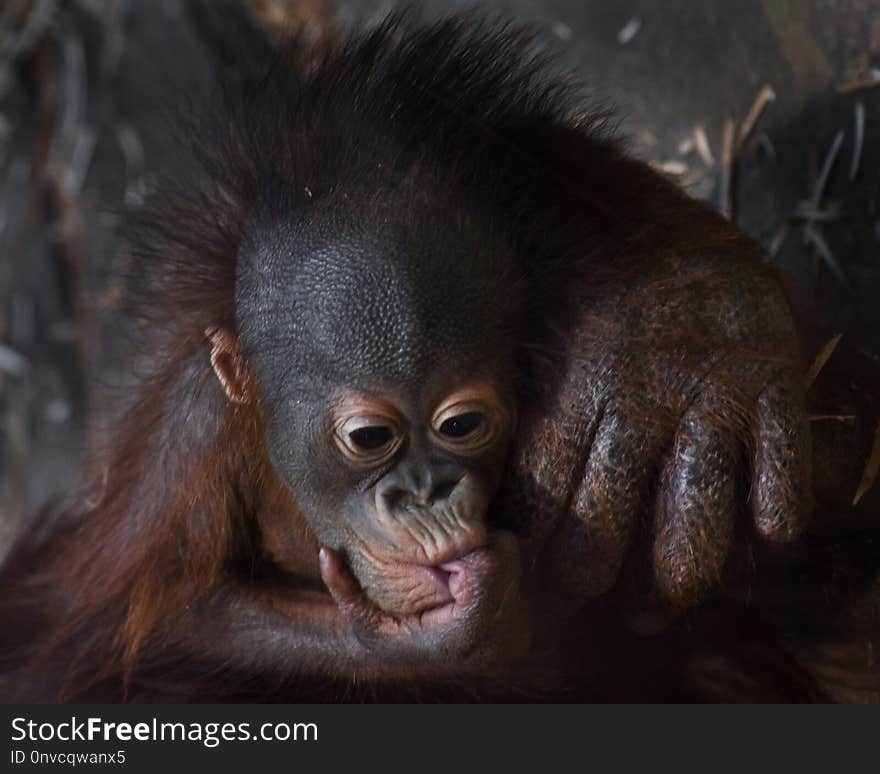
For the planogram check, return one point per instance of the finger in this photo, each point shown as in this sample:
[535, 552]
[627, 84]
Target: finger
[781, 489]
[343, 586]
[610, 498]
[696, 510]
[548, 459]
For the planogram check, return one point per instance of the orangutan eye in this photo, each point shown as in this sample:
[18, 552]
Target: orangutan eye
[367, 439]
[371, 438]
[468, 422]
[462, 425]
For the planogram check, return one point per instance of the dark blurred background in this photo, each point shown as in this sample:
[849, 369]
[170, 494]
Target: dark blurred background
[743, 102]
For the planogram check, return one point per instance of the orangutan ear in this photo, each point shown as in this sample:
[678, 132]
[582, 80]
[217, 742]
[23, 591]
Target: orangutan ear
[228, 363]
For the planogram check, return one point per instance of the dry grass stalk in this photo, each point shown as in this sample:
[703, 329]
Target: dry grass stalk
[673, 167]
[859, 140]
[872, 468]
[764, 96]
[728, 154]
[821, 359]
[822, 181]
[868, 81]
[778, 239]
[807, 211]
[825, 253]
[701, 143]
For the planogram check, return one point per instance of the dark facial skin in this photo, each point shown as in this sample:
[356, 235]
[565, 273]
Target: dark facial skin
[385, 371]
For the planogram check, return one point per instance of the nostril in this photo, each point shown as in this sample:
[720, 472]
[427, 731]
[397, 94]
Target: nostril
[394, 495]
[396, 498]
[442, 491]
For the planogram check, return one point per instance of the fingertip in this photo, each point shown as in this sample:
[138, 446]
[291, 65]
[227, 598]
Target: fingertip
[328, 560]
[325, 561]
[608, 499]
[336, 575]
[782, 495]
[780, 522]
[695, 513]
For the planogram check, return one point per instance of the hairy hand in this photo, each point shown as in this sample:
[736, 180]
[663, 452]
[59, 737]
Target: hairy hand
[681, 406]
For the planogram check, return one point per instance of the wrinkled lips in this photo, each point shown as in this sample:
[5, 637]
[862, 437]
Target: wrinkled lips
[410, 588]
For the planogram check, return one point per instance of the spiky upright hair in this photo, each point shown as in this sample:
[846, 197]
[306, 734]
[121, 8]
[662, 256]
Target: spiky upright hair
[460, 108]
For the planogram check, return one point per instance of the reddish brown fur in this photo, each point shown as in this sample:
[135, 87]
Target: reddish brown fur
[185, 496]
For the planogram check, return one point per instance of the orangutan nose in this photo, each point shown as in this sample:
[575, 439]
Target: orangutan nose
[423, 486]
[429, 516]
